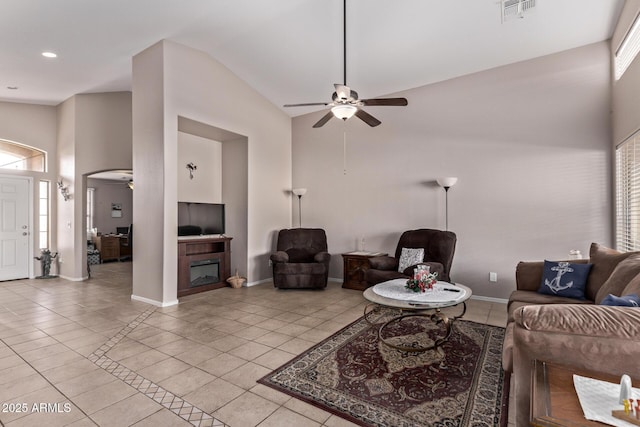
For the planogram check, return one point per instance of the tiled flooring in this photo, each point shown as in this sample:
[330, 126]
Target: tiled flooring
[84, 354]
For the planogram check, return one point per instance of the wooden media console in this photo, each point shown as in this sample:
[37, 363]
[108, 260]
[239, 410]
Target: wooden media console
[204, 263]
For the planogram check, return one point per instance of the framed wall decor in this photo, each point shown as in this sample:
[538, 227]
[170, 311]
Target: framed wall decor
[116, 210]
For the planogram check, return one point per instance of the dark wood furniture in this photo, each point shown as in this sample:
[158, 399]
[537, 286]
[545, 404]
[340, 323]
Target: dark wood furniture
[355, 264]
[192, 251]
[125, 249]
[554, 402]
[108, 246]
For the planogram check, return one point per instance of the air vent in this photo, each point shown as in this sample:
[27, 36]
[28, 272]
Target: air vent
[516, 8]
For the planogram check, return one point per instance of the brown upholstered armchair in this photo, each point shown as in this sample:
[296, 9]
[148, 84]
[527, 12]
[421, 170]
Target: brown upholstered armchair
[439, 247]
[301, 260]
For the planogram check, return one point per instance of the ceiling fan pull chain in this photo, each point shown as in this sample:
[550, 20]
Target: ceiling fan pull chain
[344, 149]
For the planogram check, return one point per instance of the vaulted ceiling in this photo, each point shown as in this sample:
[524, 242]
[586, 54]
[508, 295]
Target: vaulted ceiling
[288, 50]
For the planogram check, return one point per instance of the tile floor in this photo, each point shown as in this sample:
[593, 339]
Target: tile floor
[84, 354]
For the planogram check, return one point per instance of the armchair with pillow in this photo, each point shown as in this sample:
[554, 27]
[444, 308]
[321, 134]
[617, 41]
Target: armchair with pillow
[301, 260]
[434, 248]
[571, 321]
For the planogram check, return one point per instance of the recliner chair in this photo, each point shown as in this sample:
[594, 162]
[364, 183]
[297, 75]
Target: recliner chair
[301, 260]
[439, 247]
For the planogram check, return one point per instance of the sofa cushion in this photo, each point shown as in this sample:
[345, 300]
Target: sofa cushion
[564, 279]
[523, 298]
[299, 255]
[604, 261]
[624, 272]
[409, 257]
[625, 301]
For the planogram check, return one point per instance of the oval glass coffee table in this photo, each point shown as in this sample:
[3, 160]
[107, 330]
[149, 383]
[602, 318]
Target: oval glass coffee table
[427, 305]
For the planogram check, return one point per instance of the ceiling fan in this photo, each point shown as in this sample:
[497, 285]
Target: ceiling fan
[344, 101]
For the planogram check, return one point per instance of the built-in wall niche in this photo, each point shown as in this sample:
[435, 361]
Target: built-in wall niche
[220, 172]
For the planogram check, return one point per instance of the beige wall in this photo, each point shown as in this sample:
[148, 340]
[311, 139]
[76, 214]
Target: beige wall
[35, 126]
[529, 143]
[206, 154]
[171, 81]
[626, 91]
[94, 134]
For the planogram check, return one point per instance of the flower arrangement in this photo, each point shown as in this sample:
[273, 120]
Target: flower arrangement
[423, 284]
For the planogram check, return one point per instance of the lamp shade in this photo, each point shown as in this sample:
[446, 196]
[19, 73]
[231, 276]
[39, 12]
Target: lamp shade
[344, 112]
[447, 182]
[299, 191]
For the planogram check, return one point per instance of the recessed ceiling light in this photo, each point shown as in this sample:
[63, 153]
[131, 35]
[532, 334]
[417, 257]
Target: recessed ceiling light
[49, 55]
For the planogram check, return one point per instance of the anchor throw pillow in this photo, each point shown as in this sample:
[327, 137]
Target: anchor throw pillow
[564, 279]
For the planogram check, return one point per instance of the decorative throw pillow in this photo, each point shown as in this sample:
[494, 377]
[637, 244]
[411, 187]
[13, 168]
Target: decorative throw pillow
[604, 261]
[409, 257]
[564, 279]
[625, 301]
[624, 272]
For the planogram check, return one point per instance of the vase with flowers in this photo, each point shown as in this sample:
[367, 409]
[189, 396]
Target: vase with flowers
[422, 280]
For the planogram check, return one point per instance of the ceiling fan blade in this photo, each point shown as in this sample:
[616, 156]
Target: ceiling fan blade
[367, 118]
[399, 102]
[308, 104]
[323, 120]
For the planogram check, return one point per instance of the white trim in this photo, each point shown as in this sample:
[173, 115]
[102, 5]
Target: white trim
[490, 299]
[258, 282]
[154, 302]
[73, 279]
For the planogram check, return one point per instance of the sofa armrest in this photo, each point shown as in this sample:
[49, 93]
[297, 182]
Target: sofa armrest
[323, 257]
[592, 321]
[280, 256]
[585, 337]
[383, 263]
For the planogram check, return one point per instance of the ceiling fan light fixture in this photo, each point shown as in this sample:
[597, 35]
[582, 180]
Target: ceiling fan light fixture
[344, 112]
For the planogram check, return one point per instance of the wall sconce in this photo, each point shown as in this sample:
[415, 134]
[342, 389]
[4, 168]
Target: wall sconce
[447, 183]
[192, 167]
[64, 190]
[299, 192]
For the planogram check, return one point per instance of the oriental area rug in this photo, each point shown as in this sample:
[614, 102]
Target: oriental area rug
[355, 376]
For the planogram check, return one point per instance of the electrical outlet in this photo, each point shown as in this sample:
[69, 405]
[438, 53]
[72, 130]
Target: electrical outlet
[493, 277]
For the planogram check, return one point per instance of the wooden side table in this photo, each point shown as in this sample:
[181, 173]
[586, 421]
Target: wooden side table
[355, 264]
[554, 401]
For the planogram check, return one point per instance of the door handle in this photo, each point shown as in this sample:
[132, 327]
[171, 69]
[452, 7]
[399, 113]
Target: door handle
[24, 227]
[24, 233]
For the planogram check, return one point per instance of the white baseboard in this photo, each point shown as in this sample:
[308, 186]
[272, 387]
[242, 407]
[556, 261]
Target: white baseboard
[257, 282]
[73, 279]
[154, 302]
[490, 299]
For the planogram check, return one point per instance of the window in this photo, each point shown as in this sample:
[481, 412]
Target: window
[21, 157]
[628, 194]
[43, 214]
[628, 49]
[90, 209]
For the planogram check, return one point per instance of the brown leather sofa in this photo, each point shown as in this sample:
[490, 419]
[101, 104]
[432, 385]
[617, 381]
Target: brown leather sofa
[301, 260]
[571, 332]
[439, 247]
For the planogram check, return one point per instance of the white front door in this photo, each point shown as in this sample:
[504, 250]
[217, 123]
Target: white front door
[14, 228]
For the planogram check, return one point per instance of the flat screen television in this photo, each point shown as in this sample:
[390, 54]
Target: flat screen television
[195, 219]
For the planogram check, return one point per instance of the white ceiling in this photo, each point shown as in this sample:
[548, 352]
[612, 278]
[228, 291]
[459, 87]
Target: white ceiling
[288, 50]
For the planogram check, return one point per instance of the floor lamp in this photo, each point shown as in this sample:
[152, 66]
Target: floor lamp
[447, 183]
[299, 192]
